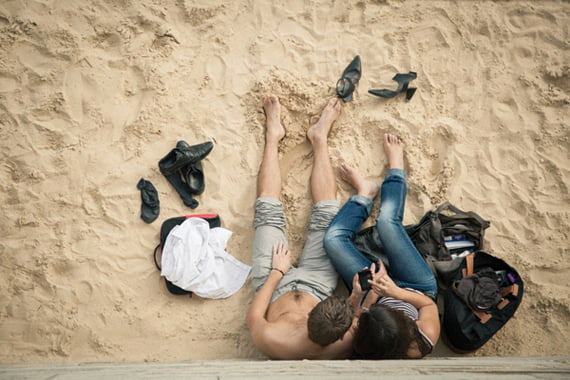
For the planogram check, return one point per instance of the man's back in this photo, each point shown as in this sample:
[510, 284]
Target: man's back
[284, 334]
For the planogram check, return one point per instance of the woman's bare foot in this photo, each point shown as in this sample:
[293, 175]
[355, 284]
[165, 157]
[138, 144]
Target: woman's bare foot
[319, 131]
[274, 129]
[394, 149]
[363, 187]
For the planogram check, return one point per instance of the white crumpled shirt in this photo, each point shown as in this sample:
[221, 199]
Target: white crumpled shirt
[194, 258]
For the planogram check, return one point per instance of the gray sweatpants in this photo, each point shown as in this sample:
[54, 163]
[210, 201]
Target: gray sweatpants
[315, 273]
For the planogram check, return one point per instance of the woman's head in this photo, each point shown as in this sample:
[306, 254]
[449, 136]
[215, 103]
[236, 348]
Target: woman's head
[384, 333]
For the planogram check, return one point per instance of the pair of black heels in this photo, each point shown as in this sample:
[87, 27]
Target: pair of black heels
[352, 74]
[183, 169]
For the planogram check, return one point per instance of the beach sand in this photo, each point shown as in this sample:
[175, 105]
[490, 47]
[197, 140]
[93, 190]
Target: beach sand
[94, 93]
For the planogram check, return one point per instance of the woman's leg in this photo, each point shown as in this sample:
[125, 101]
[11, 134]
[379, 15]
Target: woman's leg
[407, 267]
[339, 238]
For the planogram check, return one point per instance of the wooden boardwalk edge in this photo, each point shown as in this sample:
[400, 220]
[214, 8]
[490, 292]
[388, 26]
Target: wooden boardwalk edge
[441, 368]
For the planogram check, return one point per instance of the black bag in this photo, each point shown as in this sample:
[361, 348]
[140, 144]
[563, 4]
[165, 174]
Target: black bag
[447, 220]
[466, 327]
[428, 235]
[212, 219]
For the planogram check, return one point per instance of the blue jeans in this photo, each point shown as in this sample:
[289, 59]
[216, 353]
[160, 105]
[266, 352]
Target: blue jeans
[407, 267]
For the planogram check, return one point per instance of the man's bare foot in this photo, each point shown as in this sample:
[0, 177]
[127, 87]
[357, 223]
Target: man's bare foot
[394, 149]
[363, 187]
[274, 129]
[320, 130]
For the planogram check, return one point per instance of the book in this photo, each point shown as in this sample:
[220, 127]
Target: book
[454, 237]
[458, 244]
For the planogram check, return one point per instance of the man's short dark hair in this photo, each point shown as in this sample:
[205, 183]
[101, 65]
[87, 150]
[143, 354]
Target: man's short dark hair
[329, 320]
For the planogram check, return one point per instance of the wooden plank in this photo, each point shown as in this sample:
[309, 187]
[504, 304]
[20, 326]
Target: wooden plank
[446, 368]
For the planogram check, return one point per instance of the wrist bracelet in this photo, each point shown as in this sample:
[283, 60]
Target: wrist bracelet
[279, 270]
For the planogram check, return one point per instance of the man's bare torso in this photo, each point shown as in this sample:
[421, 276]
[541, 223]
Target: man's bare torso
[288, 338]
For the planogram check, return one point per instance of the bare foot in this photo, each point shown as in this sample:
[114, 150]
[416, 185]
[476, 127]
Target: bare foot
[394, 149]
[320, 130]
[274, 129]
[363, 187]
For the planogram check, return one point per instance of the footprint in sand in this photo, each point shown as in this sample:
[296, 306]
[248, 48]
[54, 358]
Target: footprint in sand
[526, 21]
[8, 83]
[216, 70]
[116, 93]
[437, 152]
[506, 114]
[36, 58]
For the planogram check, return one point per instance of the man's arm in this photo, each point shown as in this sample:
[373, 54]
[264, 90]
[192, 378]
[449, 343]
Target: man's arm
[256, 321]
[256, 314]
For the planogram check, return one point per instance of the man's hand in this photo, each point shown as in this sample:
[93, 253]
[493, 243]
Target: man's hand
[356, 288]
[281, 258]
[355, 297]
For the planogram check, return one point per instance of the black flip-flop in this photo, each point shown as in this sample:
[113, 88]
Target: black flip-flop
[150, 207]
[351, 75]
[403, 82]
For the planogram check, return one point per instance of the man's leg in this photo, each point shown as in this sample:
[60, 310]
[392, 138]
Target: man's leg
[269, 178]
[315, 265]
[269, 219]
[323, 183]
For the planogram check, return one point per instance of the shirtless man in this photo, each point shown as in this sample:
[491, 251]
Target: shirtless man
[285, 295]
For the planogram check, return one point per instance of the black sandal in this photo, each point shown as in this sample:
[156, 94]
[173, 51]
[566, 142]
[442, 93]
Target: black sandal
[351, 75]
[403, 82]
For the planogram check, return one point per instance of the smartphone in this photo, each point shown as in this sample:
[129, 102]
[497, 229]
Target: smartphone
[363, 277]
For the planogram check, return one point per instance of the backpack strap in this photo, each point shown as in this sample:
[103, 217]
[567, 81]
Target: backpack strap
[513, 289]
[469, 264]
[470, 214]
[444, 206]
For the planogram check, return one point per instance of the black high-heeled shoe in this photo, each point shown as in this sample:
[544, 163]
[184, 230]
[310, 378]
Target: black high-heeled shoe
[350, 77]
[403, 82]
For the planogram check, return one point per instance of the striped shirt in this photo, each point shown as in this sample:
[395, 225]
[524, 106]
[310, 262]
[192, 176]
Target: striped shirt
[408, 309]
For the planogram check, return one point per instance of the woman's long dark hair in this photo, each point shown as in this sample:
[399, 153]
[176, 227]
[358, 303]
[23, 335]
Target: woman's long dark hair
[385, 333]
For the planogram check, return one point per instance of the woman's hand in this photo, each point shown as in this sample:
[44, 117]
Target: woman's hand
[281, 258]
[382, 284]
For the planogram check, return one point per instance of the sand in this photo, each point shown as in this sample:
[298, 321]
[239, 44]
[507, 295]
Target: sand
[94, 93]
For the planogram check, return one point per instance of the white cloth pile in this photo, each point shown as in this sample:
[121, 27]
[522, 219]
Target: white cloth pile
[194, 258]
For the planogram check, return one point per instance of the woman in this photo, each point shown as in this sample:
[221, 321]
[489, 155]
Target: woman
[398, 318]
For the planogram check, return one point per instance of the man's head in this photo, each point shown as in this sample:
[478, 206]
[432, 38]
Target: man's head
[329, 320]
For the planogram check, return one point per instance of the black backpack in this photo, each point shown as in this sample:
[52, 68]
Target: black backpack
[212, 219]
[465, 327]
[447, 220]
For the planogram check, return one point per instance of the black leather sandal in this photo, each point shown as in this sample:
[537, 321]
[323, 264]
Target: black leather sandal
[403, 82]
[351, 75]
